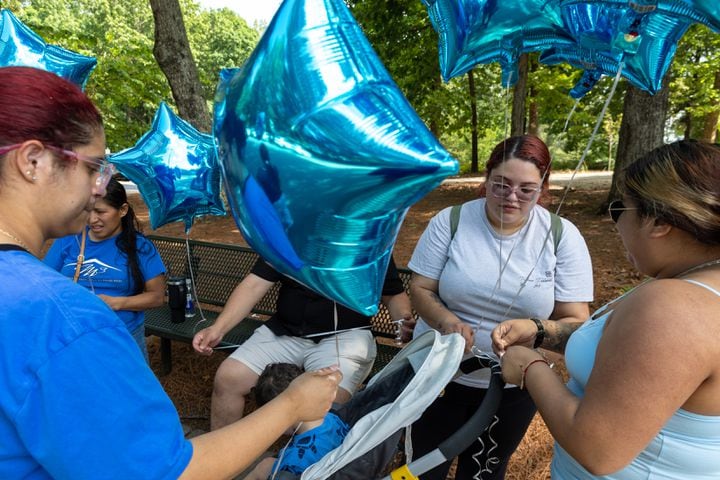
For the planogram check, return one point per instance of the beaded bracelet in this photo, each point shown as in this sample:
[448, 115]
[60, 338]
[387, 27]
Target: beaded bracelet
[524, 372]
[540, 335]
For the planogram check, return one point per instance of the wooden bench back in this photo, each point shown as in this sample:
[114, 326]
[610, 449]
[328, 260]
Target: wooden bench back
[219, 267]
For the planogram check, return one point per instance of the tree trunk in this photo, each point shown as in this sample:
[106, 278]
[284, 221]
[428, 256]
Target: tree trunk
[688, 121]
[710, 125]
[533, 126]
[173, 54]
[473, 123]
[517, 119]
[642, 129]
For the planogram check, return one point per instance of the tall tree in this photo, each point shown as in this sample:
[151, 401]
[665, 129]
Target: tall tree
[473, 123]
[642, 128]
[710, 125]
[518, 120]
[173, 54]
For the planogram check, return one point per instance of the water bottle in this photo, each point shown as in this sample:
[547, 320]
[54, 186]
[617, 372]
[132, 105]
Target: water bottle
[177, 298]
[189, 307]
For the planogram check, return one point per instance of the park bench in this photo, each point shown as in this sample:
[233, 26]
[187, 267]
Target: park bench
[217, 270]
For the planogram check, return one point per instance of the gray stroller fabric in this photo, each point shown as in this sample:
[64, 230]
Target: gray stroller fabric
[394, 398]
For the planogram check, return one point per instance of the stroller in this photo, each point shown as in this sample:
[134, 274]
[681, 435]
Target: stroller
[394, 399]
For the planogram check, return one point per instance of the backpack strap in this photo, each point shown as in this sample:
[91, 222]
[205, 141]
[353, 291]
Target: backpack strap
[454, 219]
[556, 226]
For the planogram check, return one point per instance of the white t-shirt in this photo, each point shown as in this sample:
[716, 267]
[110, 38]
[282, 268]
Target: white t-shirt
[468, 271]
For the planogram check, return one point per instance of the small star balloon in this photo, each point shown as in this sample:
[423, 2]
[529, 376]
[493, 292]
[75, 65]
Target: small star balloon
[486, 31]
[21, 47]
[321, 153]
[609, 38]
[175, 169]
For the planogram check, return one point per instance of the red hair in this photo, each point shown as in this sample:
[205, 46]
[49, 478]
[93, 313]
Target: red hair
[39, 105]
[528, 148]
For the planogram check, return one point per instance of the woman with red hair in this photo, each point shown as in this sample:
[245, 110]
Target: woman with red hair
[501, 256]
[77, 399]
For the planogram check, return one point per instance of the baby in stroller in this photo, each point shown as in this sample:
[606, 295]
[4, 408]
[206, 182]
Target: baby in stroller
[310, 440]
[393, 399]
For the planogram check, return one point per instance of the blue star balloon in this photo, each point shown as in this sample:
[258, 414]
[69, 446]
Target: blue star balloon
[486, 31]
[607, 37]
[706, 12]
[21, 47]
[321, 154]
[175, 169]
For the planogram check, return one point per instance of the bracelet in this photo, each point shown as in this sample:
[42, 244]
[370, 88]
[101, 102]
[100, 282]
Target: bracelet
[524, 372]
[540, 335]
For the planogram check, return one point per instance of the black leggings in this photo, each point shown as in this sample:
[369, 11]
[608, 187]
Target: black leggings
[497, 443]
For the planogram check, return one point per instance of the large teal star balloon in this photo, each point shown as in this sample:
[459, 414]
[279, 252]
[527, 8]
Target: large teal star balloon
[486, 31]
[21, 47]
[321, 154]
[609, 38]
[175, 169]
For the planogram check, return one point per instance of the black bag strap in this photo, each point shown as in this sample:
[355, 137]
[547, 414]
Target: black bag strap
[556, 226]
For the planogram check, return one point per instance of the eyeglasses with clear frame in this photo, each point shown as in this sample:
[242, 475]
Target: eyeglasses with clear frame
[105, 169]
[524, 193]
[616, 208]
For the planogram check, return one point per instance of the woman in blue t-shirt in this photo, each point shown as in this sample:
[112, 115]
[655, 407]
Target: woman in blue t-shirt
[118, 263]
[76, 399]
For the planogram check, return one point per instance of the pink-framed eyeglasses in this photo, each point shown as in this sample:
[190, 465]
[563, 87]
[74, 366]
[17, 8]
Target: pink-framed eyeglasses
[105, 169]
[524, 193]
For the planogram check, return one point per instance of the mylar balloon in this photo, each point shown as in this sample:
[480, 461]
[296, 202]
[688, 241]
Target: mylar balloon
[486, 31]
[321, 154]
[175, 169]
[706, 12]
[21, 47]
[607, 36]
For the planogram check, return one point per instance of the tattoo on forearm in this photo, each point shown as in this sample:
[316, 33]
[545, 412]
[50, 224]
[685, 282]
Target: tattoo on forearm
[557, 335]
[436, 298]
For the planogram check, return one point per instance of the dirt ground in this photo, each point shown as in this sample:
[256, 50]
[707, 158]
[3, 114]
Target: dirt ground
[190, 383]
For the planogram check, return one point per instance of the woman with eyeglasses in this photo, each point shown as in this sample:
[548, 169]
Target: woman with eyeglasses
[643, 399]
[77, 400]
[114, 260]
[507, 257]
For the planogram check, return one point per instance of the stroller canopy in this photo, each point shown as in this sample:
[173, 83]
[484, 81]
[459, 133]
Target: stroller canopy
[393, 399]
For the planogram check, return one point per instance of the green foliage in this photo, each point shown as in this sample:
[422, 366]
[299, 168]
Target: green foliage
[127, 83]
[694, 95]
[219, 39]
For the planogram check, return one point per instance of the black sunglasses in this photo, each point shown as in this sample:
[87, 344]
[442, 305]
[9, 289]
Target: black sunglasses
[616, 208]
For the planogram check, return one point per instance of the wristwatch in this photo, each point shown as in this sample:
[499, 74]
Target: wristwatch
[540, 335]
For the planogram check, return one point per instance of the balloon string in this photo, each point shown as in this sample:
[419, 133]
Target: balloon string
[193, 291]
[321, 334]
[600, 118]
[572, 111]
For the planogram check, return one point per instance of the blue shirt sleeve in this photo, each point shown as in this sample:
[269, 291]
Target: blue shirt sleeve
[55, 256]
[151, 263]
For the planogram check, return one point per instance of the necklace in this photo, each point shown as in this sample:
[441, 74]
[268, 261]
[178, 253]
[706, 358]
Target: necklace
[15, 239]
[699, 267]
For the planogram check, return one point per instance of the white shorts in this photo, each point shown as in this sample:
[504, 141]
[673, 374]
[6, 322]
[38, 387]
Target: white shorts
[357, 353]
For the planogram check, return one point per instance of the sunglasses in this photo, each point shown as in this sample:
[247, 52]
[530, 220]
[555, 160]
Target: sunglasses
[524, 193]
[616, 208]
[105, 169]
